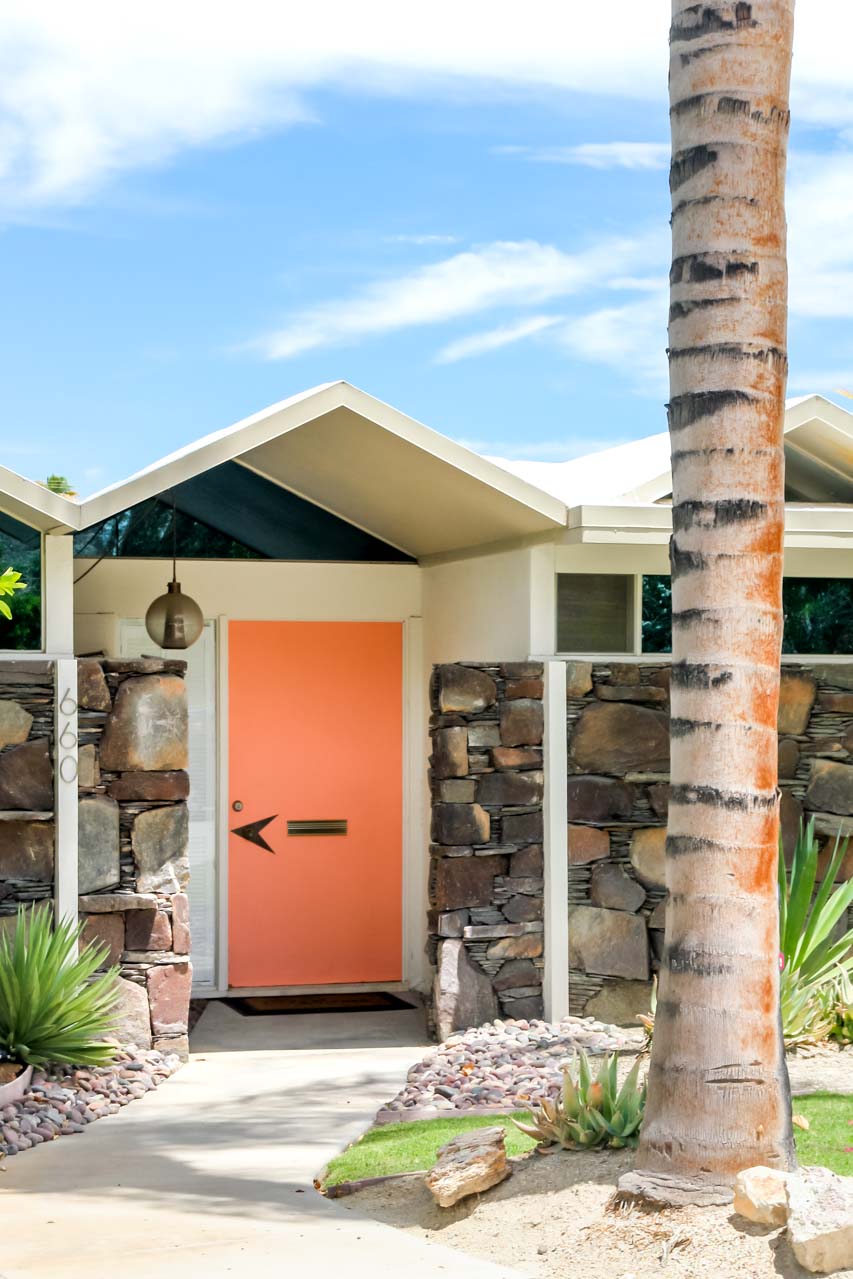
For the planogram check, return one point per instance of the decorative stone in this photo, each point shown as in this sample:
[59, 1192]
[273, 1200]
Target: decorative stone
[630, 693]
[528, 946]
[487, 932]
[659, 799]
[616, 737]
[796, 698]
[467, 1165]
[517, 974]
[511, 788]
[177, 1044]
[88, 772]
[625, 673]
[578, 678]
[820, 1219]
[760, 1195]
[486, 733]
[466, 881]
[98, 859]
[92, 691]
[462, 688]
[839, 703]
[180, 924]
[521, 909]
[105, 930]
[169, 995]
[449, 752]
[26, 777]
[451, 923]
[450, 850]
[619, 1003]
[839, 674]
[587, 844]
[789, 757]
[14, 724]
[527, 861]
[167, 787]
[106, 903]
[522, 722]
[613, 888]
[830, 787]
[522, 828]
[845, 870]
[147, 729]
[456, 790]
[27, 851]
[610, 942]
[460, 824]
[790, 816]
[143, 665]
[648, 856]
[599, 799]
[159, 841]
[657, 919]
[148, 930]
[132, 1023]
[524, 688]
[527, 1006]
[463, 995]
[522, 670]
[504, 757]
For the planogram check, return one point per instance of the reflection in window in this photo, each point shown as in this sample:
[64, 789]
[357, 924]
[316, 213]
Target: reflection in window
[818, 615]
[20, 548]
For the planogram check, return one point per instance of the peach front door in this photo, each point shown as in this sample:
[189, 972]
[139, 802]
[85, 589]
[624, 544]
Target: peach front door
[315, 724]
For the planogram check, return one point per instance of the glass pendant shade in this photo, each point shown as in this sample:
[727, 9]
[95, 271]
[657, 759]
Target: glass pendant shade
[174, 620]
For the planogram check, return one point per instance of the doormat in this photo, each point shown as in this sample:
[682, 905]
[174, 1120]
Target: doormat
[367, 1001]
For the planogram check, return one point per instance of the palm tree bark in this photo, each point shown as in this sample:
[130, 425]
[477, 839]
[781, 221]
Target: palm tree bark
[718, 1086]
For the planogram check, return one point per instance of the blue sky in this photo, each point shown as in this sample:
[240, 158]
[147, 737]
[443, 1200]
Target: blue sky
[199, 225]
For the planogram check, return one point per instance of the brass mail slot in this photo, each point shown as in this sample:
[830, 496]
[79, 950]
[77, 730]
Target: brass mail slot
[319, 826]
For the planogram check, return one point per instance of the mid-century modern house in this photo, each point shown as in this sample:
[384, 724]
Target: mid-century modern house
[427, 711]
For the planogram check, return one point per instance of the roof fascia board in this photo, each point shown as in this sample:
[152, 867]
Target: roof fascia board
[627, 523]
[36, 505]
[252, 432]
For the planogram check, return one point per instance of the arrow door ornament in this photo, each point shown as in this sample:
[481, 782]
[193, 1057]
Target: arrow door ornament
[252, 832]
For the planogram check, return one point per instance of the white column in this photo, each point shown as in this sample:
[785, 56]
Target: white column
[543, 598]
[555, 845]
[58, 593]
[65, 789]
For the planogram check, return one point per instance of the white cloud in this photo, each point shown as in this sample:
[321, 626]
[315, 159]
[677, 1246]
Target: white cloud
[92, 89]
[630, 339]
[494, 339]
[505, 273]
[600, 155]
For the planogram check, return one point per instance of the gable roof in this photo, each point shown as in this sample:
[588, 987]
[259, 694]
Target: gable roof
[818, 459]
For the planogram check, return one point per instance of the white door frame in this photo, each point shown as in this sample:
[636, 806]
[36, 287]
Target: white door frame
[415, 808]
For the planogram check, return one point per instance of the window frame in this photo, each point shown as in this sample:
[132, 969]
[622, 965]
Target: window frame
[10, 654]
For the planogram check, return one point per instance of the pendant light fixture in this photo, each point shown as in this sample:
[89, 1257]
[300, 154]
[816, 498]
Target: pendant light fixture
[174, 620]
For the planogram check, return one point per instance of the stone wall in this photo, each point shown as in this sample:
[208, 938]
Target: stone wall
[618, 741]
[133, 858]
[26, 786]
[485, 884]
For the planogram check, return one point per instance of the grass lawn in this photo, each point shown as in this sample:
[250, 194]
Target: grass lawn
[829, 1140]
[392, 1148]
[411, 1147]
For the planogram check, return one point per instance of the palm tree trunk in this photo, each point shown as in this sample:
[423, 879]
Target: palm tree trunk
[718, 1086]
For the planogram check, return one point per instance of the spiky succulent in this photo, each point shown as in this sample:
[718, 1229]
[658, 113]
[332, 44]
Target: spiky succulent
[841, 1008]
[591, 1112]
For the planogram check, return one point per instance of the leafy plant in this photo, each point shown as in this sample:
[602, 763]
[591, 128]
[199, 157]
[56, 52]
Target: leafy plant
[840, 1007]
[52, 1007]
[10, 581]
[591, 1112]
[812, 957]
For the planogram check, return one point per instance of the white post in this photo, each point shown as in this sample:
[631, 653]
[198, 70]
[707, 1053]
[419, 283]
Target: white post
[65, 789]
[58, 594]
[555, 989]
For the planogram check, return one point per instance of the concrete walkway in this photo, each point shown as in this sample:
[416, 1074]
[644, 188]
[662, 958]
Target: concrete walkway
[211, 1174]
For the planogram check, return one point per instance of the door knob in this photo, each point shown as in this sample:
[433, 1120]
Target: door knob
[237, 805]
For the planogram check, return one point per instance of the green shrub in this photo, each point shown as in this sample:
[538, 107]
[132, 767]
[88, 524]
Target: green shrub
[839, 1005]
[813, 960]
[591, 1112]
[52, 1006]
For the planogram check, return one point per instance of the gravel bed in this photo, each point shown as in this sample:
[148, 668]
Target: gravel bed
[65, 1099]
[500, 1067]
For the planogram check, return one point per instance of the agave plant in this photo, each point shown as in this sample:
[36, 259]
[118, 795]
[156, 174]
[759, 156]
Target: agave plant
[840, 1006]
[812, 955]
[591, 1112]
[52, 1006]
